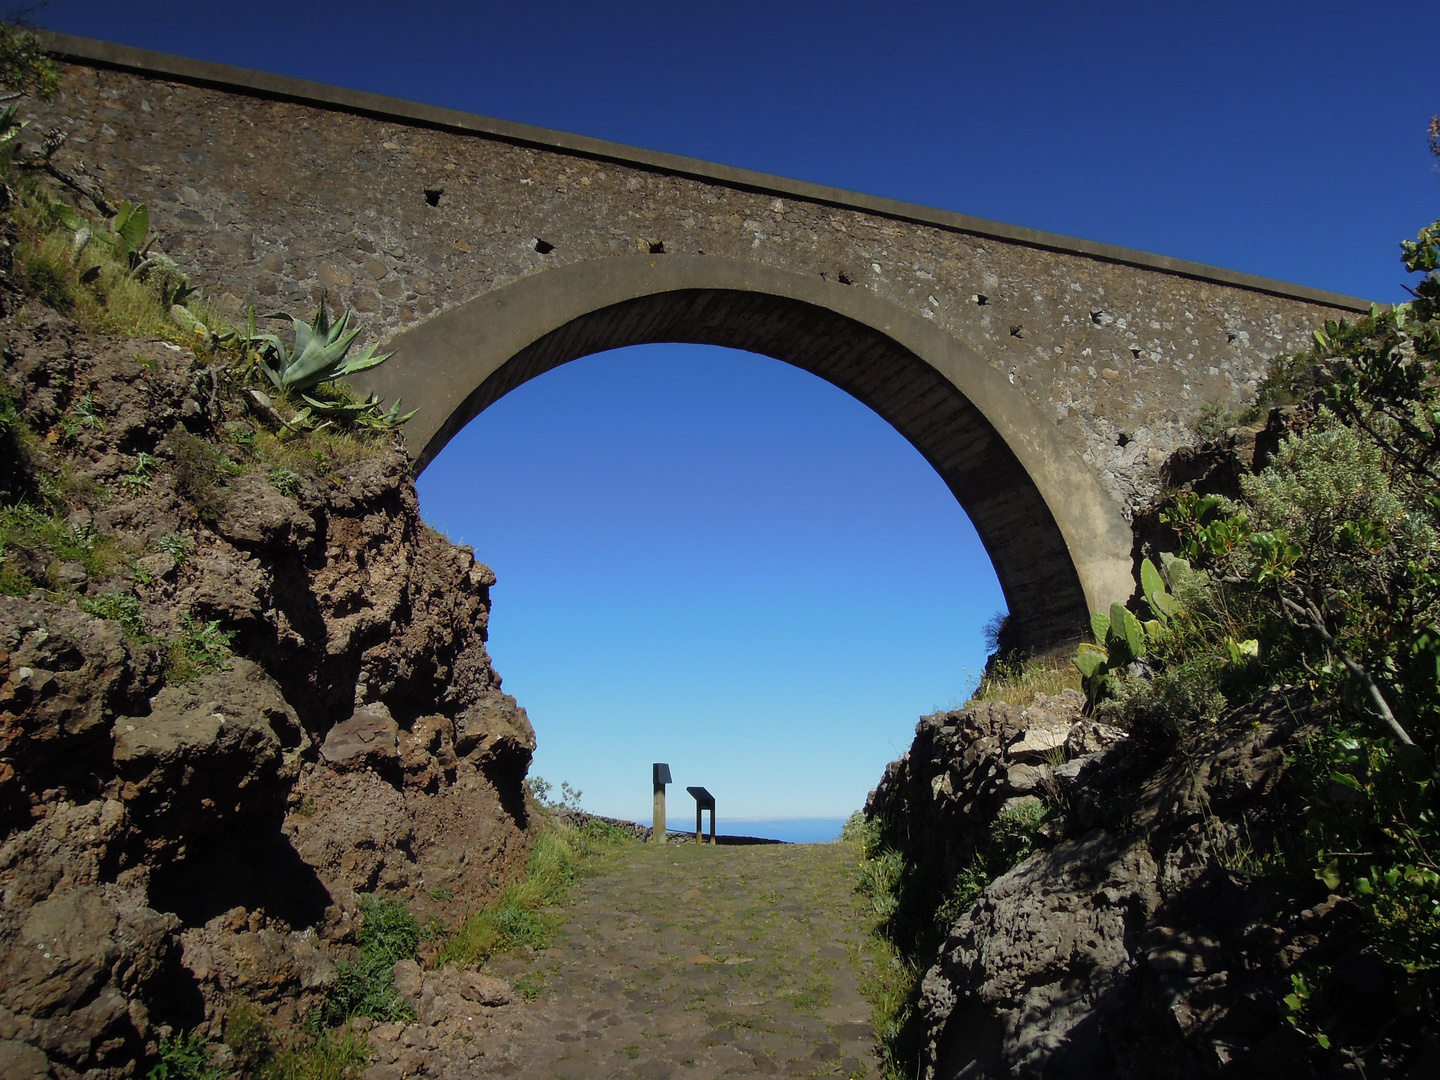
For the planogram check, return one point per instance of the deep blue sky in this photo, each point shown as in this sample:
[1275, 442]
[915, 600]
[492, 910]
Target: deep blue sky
[715, 559]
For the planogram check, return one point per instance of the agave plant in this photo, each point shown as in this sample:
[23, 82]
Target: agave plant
[319, 354]
[366, 413]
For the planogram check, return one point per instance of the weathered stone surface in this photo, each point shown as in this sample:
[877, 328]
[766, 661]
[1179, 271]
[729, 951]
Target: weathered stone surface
[258, 516]
[235, 954]
[1029, 973]
[208, 750]
[66, 675]
[448, 993]
[1107, 953]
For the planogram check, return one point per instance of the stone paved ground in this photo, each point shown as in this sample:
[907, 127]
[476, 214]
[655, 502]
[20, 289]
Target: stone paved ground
[696, 962]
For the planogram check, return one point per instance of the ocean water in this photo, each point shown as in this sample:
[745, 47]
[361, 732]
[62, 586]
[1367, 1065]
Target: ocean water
[791, 830]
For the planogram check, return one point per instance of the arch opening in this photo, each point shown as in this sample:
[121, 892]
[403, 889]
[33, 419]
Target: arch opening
[715, 559]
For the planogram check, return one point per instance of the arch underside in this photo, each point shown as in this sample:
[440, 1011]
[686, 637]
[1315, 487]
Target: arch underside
[1032, 561]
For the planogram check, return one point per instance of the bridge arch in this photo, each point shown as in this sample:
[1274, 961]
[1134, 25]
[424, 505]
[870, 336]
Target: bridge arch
[1059, 544]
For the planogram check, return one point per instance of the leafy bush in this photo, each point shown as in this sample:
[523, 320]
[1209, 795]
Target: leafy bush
[120, 608]
[201, 648]
[201, 469]
[176, 545]
[185, 1057]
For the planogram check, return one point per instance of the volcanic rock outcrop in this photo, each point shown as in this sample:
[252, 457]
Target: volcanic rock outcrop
[240, 683]
[1132, 941]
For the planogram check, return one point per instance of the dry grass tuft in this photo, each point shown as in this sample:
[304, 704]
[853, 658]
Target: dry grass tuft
[1017, 684]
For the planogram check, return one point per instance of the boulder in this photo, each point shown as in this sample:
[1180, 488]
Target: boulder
[256, 516]
[64, 676]
[240, 954]
[368, 739]
[494, 728]
[209, 750]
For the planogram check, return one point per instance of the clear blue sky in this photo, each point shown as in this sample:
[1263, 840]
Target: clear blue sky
[713, 559]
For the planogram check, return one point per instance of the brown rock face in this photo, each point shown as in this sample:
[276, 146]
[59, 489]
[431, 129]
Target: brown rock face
[182, 823]
[1124, 945]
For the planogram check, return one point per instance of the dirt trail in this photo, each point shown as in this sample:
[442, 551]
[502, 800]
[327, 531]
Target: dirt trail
[696, 962]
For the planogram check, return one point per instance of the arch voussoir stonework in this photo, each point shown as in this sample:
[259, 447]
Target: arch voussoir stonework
[1060, 547]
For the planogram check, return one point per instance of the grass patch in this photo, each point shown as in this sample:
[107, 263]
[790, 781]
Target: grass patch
[388, 934]
[34, 542]
[200, 649]
[519, 916]
[338, 1055]
[316, 454]
[1018, 683]
[108, 299]
[327, 1055]
[119, 608]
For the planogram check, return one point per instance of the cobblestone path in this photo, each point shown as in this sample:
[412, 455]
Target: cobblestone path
[691, 962]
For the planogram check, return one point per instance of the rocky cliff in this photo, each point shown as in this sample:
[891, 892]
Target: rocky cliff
[1087, 901]
[240, 683]
[1135, 939]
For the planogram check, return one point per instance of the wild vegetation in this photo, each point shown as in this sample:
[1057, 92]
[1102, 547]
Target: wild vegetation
[569, 846]
[65, 245]
[105, 273]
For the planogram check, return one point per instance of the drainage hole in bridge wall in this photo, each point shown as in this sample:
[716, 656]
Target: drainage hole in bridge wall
[1135, 353]
[1122, 439]
[843, 278]
[543, 247]
[980, 299]
[432, 195]
[1017, 330]
[657, 248]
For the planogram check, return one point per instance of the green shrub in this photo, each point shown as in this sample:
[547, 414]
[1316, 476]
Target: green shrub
[185, 1057]
[200, 649]
[1324, 577]
[120, 608]
[201, 470]
[177, 545]
[388, 934]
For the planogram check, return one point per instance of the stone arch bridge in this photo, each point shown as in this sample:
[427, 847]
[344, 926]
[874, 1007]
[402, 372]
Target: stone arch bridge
[1043, 377]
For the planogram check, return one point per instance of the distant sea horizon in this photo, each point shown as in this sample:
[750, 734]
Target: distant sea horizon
[816, 830]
